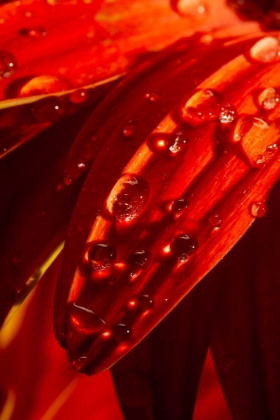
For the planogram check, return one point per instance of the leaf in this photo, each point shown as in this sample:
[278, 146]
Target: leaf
[174, 185]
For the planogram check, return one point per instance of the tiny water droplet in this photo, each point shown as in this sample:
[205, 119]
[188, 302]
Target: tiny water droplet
[215, 221]
[121, 332]
[227, 114]
[129, 128]
[128, 198]
[258, 209]
[132, 303]
[178, 205]
[101, 256]
[182, 246]
[43, 85]
[47, 110]
[152, 97]
[177, 144]
[85, 320]
[67, 180]
[138, 259]
[78, 96]
[7, 65]
[266, 50]
[202, 106]
[268, 99]
[145, 302]
[33, 33]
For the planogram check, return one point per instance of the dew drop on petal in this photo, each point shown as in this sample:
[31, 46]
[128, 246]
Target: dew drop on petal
[268, 99]
[178, 205]
[190, 8]
[145, 302]
[202, 106]
[177, 144]
[7, 65]
[138, 259]
[42, 85]
[78, 96]
[48, 110]
[101, 256]
[152, 97]
[182, 246]
[128, 198]
[129, 128]
[258, 209]
[33, 33]
[121, 332]
[266, 50]
[215, 221]
[67, 180]
[85, 320]
[227, 114]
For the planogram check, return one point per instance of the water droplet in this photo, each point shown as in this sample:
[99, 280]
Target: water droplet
[215, 221]
[7, 65]
[129, 128]
[202, 106]
[48, 110]
[128, 198]
[258, 209]
[266, 50]
[227, 114]
[67, 180]
[132, 303]
[42, 85]
[152, 97]
[190, 8]
[34, 33]
[78, 96]
[182, 246]
[85, 320]
[145, 302]
[268, 99]
[138, 259]
[101, 256]
[121, 332]
[177, 206]
[177, 144]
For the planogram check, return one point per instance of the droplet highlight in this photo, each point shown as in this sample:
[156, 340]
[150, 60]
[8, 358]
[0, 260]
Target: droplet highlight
[202, 106]
[85, 320]
[33, 33]
[78, 96]
[177, 144]
[121, 332]
[268, 99]
[128, 198]
[101, 256]
[129, 129]
[215, 221]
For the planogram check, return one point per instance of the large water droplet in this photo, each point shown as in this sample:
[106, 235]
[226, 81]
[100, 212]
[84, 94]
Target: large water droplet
[128, 198]
[34, 33]
[258, 209]
[85, 320]
[268, 99]
[202, 106]
[7, 65]
[190, 8]
[182, 246]
[101, 256]
[129, 128]
[42, 85]
[121, 332]
[177, 143]
[266, 50]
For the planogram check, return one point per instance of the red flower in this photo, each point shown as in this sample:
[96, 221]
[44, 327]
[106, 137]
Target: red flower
[180, 157]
